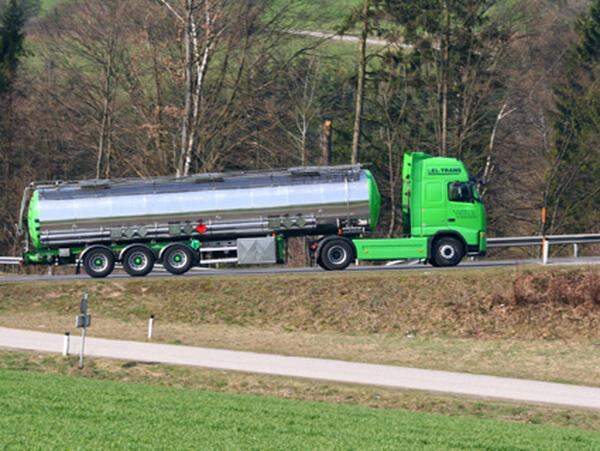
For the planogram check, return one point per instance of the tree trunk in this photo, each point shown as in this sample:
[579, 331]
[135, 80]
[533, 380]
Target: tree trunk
[445, 80]
[186, 125]
[103, 160]
[360, 84]
[326, 141]
[392, 182]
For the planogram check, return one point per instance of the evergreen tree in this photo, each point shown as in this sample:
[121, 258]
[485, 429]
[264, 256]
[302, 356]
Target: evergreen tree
[12, 37]
[574, 195]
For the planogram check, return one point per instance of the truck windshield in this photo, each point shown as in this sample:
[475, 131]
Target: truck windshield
[461, 192]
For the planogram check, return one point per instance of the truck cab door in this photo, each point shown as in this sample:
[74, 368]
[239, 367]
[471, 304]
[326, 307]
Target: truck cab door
[464, 210]
[434, 213]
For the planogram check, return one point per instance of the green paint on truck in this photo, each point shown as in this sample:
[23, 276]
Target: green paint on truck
[374, 199]
[32, 220]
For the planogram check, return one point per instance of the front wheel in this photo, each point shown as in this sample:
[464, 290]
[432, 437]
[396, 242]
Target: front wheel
[178, 259]
[99, 262]
[336, 255]
[447, 252]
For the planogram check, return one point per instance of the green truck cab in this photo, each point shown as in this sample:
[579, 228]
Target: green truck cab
[443, 217]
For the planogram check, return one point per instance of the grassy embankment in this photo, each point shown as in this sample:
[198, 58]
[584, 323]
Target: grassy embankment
[50, 411]
[539, 323]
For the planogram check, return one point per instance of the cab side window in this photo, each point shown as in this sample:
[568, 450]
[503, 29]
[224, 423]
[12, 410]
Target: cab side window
[460, 192]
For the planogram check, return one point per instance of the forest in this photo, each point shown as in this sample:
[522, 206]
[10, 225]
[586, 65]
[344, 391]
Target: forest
[139, 88]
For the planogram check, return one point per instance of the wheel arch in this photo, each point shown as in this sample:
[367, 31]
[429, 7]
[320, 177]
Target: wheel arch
[81, 256]
[134, 245]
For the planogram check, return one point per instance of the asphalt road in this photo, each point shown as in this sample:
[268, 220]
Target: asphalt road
[311, 368]
[276, 270]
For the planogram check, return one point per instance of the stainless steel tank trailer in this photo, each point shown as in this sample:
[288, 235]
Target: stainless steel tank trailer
[242, 218]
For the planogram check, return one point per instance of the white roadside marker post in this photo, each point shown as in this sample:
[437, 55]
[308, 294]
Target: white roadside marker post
[545, 251]
[66, 344]
[150, 327]
[545, 243]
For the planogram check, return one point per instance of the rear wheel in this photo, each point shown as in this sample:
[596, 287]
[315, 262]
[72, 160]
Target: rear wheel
[178, 259]
[447, 252]
[99, 262]
[138, 261]
[336, 255]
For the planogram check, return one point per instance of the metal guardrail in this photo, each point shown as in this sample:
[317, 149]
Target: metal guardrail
[10, 260]
[538, 240]
[546, 242]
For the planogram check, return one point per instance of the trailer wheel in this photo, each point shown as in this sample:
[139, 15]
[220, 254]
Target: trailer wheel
[447, 251]
[138, 261]
[178, 259]
[99, 262]
[336, 255]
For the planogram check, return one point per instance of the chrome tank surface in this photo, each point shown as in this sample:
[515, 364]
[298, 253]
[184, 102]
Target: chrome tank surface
[252, 202]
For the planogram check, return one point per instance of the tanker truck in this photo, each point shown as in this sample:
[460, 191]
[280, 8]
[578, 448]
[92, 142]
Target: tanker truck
[246, 218]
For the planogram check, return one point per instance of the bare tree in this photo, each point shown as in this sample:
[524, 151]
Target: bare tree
[84, 53]
[203, 23]
[489, 162]
[301, 98]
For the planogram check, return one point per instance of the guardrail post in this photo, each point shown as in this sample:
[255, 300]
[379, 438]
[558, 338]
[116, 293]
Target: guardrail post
[575, 250]
[545, 251]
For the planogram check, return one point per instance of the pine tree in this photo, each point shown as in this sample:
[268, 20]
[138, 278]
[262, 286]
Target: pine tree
[12, 37]
[575, 184]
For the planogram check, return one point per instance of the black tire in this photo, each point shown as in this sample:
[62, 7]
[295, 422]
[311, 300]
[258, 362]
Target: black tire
[320, 263]
[99, 262]
[138, 261]
[336, 255]
[447, 252]
[178, 259]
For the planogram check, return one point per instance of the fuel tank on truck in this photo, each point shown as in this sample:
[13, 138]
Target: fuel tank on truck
[301, 201]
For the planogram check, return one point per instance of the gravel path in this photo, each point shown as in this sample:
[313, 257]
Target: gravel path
[311, 368]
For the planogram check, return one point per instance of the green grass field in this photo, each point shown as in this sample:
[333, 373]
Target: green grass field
[310, 14]
[45, 411]
[318, 15]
